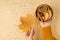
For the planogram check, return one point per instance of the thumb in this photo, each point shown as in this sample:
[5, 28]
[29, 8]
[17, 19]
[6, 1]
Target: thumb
[31, 33]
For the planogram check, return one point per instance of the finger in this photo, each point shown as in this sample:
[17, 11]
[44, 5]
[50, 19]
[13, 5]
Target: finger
[28, 33]
[31, 33]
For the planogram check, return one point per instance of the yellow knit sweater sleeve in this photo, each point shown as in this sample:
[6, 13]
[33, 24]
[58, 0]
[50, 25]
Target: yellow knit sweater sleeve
[47, 34]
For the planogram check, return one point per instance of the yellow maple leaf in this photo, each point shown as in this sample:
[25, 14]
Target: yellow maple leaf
[27, 22]
[25, 28]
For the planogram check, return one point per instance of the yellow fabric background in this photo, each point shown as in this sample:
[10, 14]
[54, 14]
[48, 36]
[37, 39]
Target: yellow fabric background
[11, 10]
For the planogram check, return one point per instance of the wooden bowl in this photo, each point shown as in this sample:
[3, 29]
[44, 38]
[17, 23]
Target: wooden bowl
[44, 12]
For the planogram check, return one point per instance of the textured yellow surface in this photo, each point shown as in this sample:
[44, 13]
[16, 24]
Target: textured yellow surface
[11, 10]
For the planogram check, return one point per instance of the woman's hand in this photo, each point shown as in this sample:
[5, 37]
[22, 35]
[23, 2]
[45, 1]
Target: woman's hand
[46, 24]
[30, 34]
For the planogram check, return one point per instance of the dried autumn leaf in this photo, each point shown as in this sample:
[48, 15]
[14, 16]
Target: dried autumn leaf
[27, 22]
[25, 28]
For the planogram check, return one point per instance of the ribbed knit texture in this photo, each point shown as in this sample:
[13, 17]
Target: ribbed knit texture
[47, 34]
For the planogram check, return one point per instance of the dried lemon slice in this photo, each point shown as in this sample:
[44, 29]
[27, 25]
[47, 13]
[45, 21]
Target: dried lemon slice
[44, 12]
